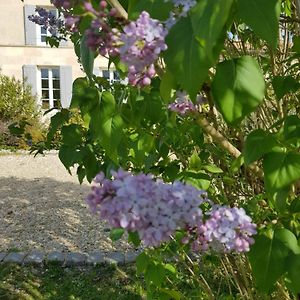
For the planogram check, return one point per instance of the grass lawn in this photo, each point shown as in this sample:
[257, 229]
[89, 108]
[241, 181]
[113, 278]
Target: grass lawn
[56, 283]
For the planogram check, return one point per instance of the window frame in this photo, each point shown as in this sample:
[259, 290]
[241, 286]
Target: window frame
[51, 89]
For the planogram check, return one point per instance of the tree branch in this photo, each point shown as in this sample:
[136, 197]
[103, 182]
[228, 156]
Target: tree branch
[224, 143]
[116, 4]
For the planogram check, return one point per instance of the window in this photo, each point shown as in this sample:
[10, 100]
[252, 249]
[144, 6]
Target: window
[110, 75]
[50, 88]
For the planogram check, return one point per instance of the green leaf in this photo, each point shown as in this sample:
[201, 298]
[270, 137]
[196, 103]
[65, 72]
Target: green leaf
[192, 50]
[293, 267]
[296, 43]
[87, 57]
[212, 15]
[111, 136]
[85, 97]
[291, 129]
[66, 155]
[170, 268]
[175, 295]
[295, 206]
[281, 169]
[71, 135]
[80, 174]
[158, 9]
[116, 233]
[288, 239]
[283, 85]
[185, 57]
[258, 143]
[233, 90]
[155, 274]
[262, 16]
[195, 163]
[167, 85]
[142, 262]
[90, 162]
[267, 258]
[134, 238]
[212, 169]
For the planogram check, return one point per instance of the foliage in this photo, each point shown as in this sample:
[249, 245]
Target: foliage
[19, 115]
[56, 283]
[238, 64]
[16, 100]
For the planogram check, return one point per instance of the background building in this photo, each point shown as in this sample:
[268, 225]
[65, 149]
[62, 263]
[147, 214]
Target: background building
[25, 55]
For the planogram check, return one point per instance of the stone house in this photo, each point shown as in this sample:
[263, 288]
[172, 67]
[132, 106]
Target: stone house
[25, 55]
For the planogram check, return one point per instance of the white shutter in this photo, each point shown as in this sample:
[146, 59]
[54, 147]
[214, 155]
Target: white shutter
[96, 71]
[30, 76]
[65, 85]
[30, 27]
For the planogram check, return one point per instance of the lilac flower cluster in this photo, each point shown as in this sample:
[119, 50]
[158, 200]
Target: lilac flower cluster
[101, 36]
[47, 20]
[155, 210]
[183, 105]
[227, 229]
[151, 207]
[143, 40]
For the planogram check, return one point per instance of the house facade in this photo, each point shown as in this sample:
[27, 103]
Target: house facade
[25, 55]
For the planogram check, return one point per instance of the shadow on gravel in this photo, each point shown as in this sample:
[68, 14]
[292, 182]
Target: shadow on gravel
[47, 214]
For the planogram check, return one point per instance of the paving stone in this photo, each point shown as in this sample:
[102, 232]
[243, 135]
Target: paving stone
[117, 258]
[75, 259]
[2, 255]
[130, 257]
[34, 257]
[55, 256]
[15, 257]
[95, 258]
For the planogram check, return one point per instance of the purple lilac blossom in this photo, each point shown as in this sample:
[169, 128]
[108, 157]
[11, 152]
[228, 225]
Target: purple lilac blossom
[143, 40]
[66, 4]
[155, 210]
[227, 229]
[183, 105]
[47, 20]
[150, 207]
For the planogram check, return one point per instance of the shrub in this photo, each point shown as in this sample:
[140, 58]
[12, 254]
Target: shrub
[17, 104]
[16, 100]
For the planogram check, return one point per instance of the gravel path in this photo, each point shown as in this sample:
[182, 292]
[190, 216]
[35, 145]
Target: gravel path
[43, 208]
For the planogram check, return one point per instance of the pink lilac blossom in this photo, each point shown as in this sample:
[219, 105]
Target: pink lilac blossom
[227, 229]
[143, 40]
[151, 207]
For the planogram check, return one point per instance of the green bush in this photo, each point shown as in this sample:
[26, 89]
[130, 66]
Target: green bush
[17, 104]
[16, 100]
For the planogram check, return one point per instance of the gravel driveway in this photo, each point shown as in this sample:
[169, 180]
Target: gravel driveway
[43, 208]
